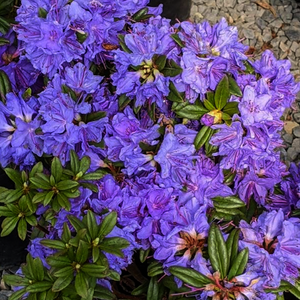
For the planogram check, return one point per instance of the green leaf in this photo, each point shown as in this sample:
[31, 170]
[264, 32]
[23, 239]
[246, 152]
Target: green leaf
[155, 268]
[39, 197]
[81, 285]
[229, 202]
[159, 62]
[56, 169]
[144, 254]
[5, 212]
[37, 168]
[123, 44]
[58, 261]
[239, 264]
[22, 229]
[66, 234]
[234, 89]
[53, 244]
[67, 185]
[123, 101]
[64, 272]
[15, 176]
[31, 220]
[203, 136]
[4, 41]
[103, 293]
[222, 93]
[107, 225]
[8, 225]
[62, 282]
[138, 16]
[141, 289]
[153, 289]
[192, 111]
[92, 224]
[15, 280]
[42, 13]
[231, 108]
[171, 69]
[174, 95]
[74, 161]
[13, 195]
[18, 294]
[94, 270]
[114, 245]
[76, 223]
[232, 244]
[4, 26]
[114, 275]
[84, 164]
[82, 252]
[190, 276]
[38, 287]
[177, 39]
[94, 116]
[48, 197]
[217, 251]
[40, 181]
[38, 269]
[94, 175]
[208, 105]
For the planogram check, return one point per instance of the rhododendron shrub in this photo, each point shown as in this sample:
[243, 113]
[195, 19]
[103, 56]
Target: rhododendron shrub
[145, 156]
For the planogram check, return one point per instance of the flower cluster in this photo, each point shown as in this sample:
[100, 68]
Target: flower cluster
[185, 126]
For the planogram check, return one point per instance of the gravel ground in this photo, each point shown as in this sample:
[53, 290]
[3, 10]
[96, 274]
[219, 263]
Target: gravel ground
[263, 24]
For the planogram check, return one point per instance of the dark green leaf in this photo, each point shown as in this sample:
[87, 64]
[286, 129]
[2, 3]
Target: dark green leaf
[13, 195]
[103, 293]
[4, 41]
[160, 62]
[76, 223]
[5, 212]
[229, 202]
[217, 251]
[222, 93]
[66, 235]
[192, 111]
[141, 289]
[177, 39]
[31, 220]
[174, 95]
[123, 101]
[114, 245]
[84, 164]
[139, 14]
[38, 287]
[94, 270]
[64, 272]
[74, 161]
[8, 225]
[155, 268]
[66, 185]
[190, 276]
[231, 108]
[123, 44]
[232, 244]
[4, 26]
[58, 261]
[234, 89]
[171, 69]
[62, 282]
[40, 182]
[15, 176]
[208, 105]
[202, 136]
[53, 244]
[22, 229]
[56, 169]
[42, 13]
[153, 289]
[18, 294]
[94, 175]
[81, 285]
[92, 224]
[15, 280]
[239, 264]
[94, 116]
[37, 168]
[107, 225]
[144, 254]
[82, 252]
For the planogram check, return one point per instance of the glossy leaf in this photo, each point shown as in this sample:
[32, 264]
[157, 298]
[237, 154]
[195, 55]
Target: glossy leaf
[202, 136]
[222, 93]
[239, 264]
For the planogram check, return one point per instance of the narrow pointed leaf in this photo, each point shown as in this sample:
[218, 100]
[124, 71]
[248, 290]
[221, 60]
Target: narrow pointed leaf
[239, 264]
[222, 93]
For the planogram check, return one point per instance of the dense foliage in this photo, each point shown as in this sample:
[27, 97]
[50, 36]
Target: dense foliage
[145, 156]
